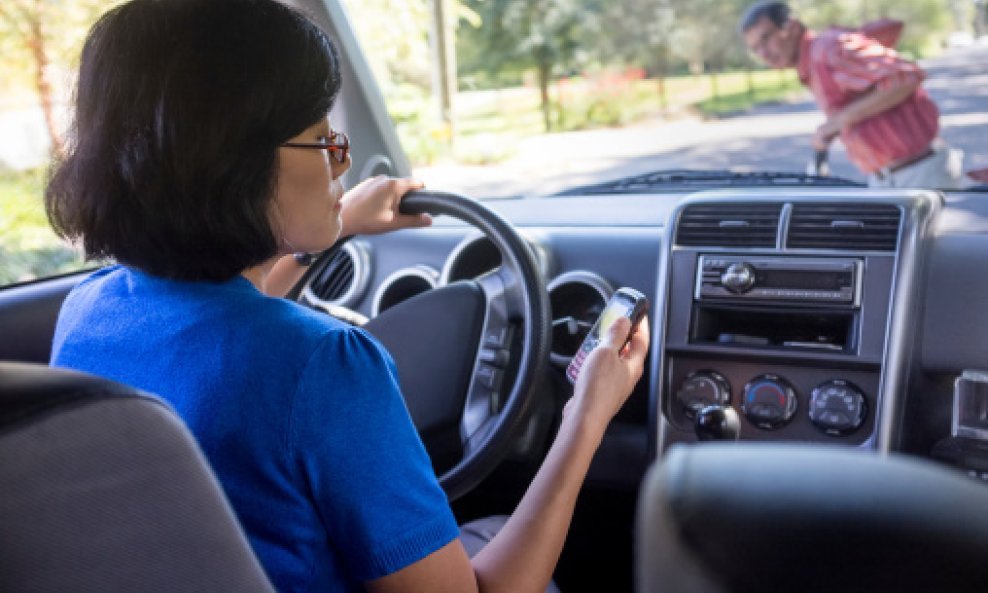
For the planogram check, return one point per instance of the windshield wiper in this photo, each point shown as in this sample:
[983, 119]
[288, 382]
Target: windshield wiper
[687, 178]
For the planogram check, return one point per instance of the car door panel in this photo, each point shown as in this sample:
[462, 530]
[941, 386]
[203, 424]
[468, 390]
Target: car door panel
[27, 317]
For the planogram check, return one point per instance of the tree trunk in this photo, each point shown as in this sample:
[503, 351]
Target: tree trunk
[663, 96]
[663, 66]
[544, 70]
[36, 44]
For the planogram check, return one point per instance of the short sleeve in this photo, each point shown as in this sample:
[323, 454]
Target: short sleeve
[859, 63]
[353, 442]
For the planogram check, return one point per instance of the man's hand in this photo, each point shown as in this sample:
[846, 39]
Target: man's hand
[371, 207]
[825, 134]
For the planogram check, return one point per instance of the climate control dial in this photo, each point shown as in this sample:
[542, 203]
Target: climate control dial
[701, 389]
[838, 407]
[769, 401]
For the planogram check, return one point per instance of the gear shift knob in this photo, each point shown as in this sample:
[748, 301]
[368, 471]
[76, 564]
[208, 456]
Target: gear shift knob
[717, 423]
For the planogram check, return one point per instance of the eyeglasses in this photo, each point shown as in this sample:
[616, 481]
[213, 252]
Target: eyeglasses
[337, 145]
[758, 47]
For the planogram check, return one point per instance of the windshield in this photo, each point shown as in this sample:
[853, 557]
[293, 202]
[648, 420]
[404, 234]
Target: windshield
[497, 98]
[536, 97]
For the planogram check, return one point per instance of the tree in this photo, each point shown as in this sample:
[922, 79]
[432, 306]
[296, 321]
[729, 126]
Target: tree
[397, 34]
[705, 32]
[544, 35]
[41, 41]
[927, 21]
[646, 28]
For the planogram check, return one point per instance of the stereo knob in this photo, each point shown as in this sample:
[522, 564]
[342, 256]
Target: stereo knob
[738, 277]
[769, 401]
[838, 407]
[702, 389]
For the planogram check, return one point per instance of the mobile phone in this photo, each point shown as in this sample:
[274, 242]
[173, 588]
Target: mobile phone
[625, 302]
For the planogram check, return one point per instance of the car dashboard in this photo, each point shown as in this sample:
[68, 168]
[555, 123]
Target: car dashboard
[838, 316]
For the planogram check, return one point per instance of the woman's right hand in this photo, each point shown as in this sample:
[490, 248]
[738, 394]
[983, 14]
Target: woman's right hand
[523, 555]
[610, 373]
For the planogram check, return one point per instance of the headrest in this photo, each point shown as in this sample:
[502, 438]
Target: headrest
[790, 517]
[28, 390]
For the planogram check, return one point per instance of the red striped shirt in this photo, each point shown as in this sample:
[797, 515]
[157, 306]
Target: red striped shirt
[840, 66]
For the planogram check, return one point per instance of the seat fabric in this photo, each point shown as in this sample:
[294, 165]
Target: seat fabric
[103, 489]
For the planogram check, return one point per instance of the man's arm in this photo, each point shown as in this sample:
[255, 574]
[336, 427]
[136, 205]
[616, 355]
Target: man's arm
[881, 98]
[879, 77]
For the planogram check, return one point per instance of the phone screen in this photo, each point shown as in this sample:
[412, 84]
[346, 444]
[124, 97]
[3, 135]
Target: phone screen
[618, 307]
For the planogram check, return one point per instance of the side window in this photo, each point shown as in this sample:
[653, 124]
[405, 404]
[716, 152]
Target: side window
[40, 43]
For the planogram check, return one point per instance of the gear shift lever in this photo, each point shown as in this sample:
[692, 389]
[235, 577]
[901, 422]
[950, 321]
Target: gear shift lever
[717, 423]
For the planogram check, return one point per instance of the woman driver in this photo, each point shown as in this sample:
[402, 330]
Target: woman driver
[201, 154]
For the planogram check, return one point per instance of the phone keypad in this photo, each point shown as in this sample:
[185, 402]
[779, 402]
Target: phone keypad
[573, 370]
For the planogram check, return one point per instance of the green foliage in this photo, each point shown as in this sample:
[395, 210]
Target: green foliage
[705, 35]
[395, 38]
[28, 247]
[637, 33]
[63, 28]
[548, 37]
[927, 21]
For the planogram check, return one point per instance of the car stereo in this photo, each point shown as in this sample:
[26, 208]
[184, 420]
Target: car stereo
[800, 279]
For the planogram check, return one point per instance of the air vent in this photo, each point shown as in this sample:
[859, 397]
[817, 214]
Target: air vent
[342, 280]
[729, 225]
[403, 285]
[577, 299]
[854, 227]
[334, 280]
[474, 256]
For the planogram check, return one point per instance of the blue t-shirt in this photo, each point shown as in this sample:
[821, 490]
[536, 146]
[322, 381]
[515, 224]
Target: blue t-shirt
[299, 415]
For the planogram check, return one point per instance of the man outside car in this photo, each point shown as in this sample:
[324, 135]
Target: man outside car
[872, 97]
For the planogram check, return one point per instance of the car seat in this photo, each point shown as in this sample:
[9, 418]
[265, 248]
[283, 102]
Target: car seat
[103, 489]
[738, 517]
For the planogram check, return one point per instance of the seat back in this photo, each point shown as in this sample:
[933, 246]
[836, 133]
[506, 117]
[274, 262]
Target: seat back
[732, 517]
[103, 489]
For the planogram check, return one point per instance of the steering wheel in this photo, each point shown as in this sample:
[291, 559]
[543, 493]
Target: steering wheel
[471, 354]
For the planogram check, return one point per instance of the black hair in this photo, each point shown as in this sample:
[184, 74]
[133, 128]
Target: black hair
[777, 12]
[180, 108]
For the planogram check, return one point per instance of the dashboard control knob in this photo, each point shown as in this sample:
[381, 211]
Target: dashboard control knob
[717, 423]
[769, 401]
[738, 277]
[702, 389]
[838, 407]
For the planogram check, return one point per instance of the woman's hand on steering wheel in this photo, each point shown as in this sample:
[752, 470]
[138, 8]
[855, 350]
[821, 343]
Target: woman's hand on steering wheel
[371, 207]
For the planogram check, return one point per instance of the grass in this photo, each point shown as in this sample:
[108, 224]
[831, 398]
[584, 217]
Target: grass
[490, 122]
[28, 247]
[737, 92]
